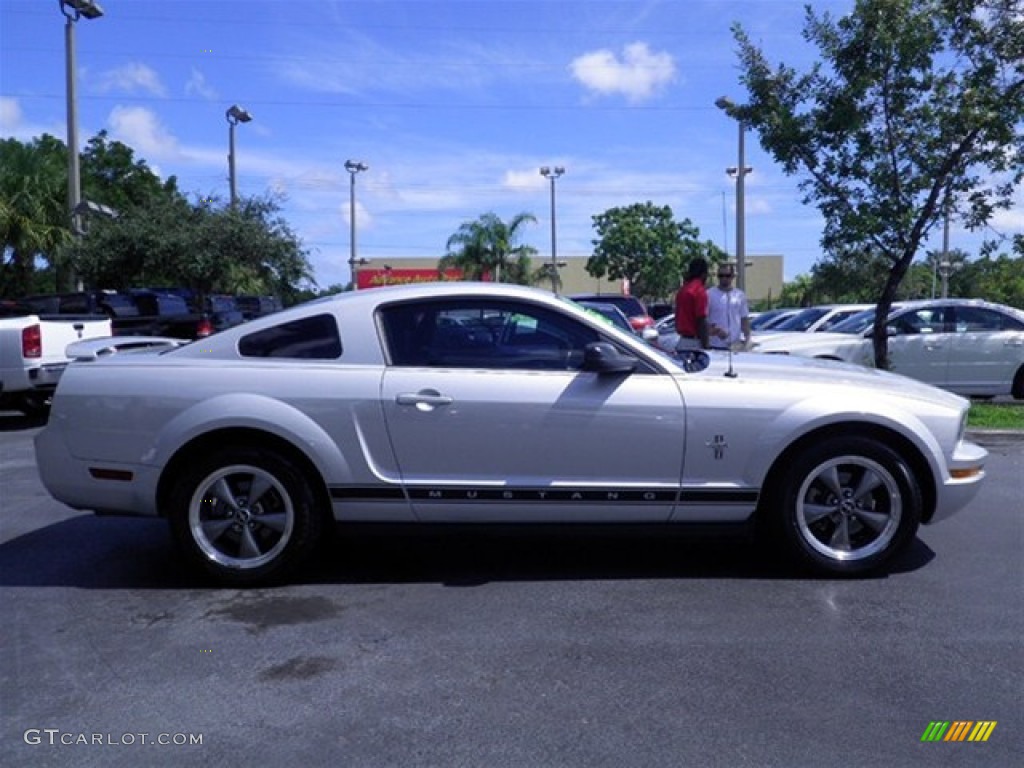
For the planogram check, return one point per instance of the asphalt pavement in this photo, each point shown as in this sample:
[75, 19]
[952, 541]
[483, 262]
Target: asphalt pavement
[493, 651]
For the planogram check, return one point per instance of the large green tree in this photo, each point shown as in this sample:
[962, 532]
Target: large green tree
[490, 246]
[207, 247]
[913, 105]
[34, 218]
[644, 244]
[113, 176]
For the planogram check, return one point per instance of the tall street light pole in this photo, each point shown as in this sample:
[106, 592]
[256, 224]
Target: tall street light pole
[234, 115]
[74, 10]
[740, 172]
[353, 167]
[552, 174]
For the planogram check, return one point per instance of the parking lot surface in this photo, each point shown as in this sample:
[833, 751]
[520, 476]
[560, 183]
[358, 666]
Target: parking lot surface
[493, 651]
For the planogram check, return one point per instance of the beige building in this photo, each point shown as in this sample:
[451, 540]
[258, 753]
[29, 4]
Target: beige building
[763, 275]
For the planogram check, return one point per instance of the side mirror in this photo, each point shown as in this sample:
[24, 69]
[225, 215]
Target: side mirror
[649, 334]
[602, 357]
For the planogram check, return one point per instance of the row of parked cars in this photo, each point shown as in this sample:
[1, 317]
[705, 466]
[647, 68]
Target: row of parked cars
[146, 312]
[35, 331]
[968, 346]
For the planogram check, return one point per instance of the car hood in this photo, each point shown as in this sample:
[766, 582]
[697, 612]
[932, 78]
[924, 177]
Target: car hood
[810, 371]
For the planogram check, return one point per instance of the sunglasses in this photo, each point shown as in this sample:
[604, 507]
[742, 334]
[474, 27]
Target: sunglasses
[730, 277]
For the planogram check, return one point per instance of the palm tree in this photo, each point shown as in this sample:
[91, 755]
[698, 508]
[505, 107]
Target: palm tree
[32, 215]
[487, 247]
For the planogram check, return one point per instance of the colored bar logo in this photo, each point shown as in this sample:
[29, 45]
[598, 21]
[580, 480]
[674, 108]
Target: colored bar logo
[958, 730]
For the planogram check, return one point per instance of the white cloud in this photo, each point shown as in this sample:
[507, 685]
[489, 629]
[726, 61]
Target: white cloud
[10, 114]
[638, 75]
[197, 86]
[140, 129]
[524, 180]
[131, 78]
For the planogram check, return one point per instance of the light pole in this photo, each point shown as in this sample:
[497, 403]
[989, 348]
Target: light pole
[234, 115]
[353, 167]
[552, 174]
[740, 172]
[74, 10]
[947, 267]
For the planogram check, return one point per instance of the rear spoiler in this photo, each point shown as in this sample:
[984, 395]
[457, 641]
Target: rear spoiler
[93, 349]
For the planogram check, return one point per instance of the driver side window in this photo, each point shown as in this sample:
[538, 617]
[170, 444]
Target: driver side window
[483, 334]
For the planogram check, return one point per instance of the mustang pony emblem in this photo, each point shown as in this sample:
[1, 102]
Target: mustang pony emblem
[718, 445]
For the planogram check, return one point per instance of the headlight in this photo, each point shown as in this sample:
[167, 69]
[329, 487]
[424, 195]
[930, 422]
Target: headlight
[963, 425]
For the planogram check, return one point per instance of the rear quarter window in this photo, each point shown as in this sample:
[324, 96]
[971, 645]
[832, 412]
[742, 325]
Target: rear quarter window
[309, 338]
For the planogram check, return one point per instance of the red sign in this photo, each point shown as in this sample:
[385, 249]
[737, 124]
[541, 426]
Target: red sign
[375, 278]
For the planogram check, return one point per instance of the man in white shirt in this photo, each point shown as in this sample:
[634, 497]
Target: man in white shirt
[728, 314]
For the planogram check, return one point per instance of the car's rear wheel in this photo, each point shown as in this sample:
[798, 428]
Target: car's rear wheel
[245, 516]
[848, 505]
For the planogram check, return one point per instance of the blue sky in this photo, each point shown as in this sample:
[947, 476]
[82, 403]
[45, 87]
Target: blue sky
[454, 106]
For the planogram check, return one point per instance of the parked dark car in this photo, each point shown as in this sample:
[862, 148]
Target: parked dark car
[109, 303]
[257, 306]
[631, 307]
[223, 311]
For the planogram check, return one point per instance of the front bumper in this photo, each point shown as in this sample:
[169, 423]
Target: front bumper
[962, 480]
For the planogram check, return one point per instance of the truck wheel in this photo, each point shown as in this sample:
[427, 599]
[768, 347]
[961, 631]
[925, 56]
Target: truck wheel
[245, 516]
[848, 505]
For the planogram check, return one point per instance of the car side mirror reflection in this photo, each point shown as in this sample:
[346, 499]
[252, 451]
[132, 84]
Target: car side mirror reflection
[602, 357]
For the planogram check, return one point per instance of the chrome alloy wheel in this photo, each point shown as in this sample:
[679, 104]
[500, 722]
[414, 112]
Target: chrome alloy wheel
[241, 517]
[849, 508]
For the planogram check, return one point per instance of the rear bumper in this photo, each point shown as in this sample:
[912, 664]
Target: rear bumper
[71, 480]
[46, 376]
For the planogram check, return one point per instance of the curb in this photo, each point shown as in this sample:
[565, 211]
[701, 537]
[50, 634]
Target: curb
[996, 436]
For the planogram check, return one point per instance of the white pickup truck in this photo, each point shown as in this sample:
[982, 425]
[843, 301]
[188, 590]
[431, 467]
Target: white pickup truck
[32, 355]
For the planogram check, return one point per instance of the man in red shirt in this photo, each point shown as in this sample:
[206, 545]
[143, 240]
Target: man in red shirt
[692, 308]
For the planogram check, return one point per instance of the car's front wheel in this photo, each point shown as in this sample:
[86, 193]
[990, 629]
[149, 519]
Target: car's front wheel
[245, 516]
[1017, 387]
[848, 505]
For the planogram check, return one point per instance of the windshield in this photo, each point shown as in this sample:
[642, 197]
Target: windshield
[857, 323]
[802, 320]
[838, 317]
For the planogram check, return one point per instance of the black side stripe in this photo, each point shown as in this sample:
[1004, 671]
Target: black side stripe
[463, 494]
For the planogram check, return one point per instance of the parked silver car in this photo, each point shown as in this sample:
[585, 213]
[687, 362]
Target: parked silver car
[488, 403]
[968, 346]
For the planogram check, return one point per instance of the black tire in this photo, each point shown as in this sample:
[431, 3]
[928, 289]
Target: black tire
[1017, 388]
[238, 540]
[847, 506]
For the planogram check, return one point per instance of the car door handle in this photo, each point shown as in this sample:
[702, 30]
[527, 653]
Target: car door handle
[1014, 343]
[428, 397]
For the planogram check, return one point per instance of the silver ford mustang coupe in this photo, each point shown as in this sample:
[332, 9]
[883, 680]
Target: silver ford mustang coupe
[486, 403]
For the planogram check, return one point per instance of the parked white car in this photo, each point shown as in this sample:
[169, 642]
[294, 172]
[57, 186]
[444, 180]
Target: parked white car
[968, 346]
[817, 319]
[495, 404]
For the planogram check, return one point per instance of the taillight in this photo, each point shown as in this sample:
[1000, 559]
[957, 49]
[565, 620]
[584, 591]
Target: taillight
[204, 328]
[32, 341]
